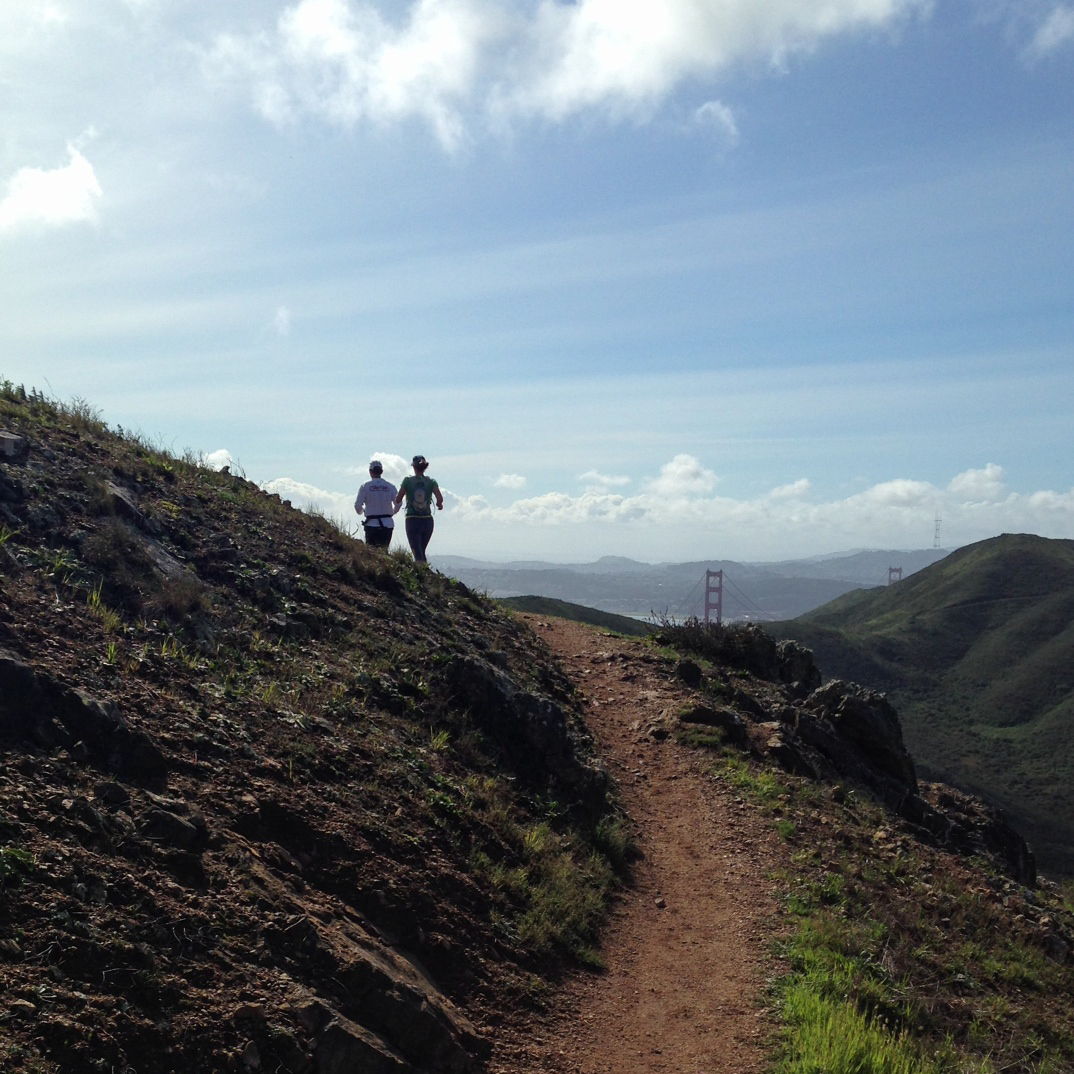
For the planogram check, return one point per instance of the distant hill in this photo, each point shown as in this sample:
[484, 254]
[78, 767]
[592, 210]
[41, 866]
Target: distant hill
[976, 652]
[578, 613]
[759, 592]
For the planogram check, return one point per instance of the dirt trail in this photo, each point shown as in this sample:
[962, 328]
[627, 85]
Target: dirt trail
[685, 948]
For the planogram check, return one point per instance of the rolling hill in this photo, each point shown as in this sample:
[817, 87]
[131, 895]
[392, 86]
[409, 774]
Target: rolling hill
[976, 652]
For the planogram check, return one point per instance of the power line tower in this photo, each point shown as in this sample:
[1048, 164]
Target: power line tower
[936, 533]
[894, 575]
[714, 596]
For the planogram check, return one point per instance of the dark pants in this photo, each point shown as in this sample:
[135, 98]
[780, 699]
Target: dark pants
[419, 530]
[378, 536]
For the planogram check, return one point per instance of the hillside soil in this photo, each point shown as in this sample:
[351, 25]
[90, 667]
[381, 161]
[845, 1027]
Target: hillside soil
[685, 951]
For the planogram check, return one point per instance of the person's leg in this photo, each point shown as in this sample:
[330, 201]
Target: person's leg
[427, 537]
[414, 538]
[418, 532]
[378, 536]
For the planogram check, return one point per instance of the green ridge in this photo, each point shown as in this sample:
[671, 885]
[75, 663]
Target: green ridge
[976, 652]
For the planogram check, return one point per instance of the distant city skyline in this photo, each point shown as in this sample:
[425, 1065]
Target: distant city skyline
[673, 281]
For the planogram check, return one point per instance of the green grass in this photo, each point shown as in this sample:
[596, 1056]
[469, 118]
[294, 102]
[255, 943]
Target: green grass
[831, 1037]
[15, 864]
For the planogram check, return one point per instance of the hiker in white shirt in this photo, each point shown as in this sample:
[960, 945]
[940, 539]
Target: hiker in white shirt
[376, 498]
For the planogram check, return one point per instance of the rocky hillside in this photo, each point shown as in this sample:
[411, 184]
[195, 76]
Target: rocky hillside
[265, 795]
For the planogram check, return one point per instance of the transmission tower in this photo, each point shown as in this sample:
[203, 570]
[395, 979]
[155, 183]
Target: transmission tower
[714, 596]
[936, 533]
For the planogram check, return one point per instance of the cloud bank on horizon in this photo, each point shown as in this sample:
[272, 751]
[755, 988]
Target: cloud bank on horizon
[678, 509]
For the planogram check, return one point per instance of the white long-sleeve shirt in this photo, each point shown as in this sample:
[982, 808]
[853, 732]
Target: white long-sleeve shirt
[376, 498]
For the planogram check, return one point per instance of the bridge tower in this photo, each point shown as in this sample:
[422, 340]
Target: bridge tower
[714, 596]
[894, 574]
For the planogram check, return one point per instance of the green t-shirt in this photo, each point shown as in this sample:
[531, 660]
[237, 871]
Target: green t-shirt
[419, 492]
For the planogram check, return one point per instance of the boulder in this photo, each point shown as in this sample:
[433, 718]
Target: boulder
[535, 732]
[867, 723]
[726, 720]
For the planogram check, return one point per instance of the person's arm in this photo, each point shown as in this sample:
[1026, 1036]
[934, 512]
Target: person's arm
[439, 498]
[399, 495]
[359, 502]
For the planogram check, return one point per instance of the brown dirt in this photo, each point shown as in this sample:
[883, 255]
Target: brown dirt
[685, 951]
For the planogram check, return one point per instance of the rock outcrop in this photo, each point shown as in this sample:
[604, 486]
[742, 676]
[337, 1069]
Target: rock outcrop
[842, 732]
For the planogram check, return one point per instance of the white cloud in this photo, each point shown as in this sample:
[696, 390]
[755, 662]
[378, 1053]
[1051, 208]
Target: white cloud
[796, 490]
[510, 481]
[338, 506]
[217, 460]
[1056, 31]
[41, 198]
[979, 486]
[629, 54]
[395, 467]
[344, 63]
[717, 116]
[596, 480]
[684, 478]
[446, 61]
[900, 493]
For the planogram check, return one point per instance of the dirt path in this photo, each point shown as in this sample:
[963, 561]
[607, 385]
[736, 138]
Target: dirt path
[685, 948]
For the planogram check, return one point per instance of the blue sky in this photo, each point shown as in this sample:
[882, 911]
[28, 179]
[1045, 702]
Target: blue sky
[693, 279]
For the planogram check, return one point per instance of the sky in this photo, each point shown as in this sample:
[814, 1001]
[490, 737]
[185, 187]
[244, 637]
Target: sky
[667, 279]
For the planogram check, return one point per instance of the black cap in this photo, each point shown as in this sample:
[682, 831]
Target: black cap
[419, 460]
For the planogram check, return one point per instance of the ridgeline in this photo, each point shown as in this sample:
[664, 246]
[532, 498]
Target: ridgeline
[975, 652]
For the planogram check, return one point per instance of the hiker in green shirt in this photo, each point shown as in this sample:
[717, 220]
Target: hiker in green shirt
[420, 493]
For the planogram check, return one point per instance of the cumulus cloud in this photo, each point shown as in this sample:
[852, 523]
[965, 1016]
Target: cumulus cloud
[38, 197]
[980, 486]
[448, 61]
[629, 55]
[684, 478]
[345, 63]
[796, 490]
[217, 460]
[510, 481]
[595, 480]
[395, 467]
[338, 506]
[901, 493]
[1056, 31]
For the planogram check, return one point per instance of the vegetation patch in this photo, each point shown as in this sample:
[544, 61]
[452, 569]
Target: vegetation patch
[901, 958]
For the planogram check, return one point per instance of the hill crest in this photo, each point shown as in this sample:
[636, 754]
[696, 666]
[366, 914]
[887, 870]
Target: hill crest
[975, 652]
